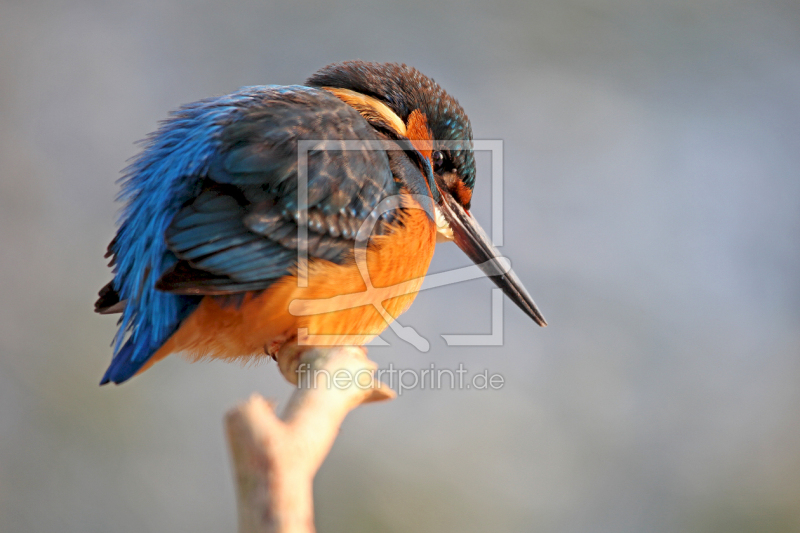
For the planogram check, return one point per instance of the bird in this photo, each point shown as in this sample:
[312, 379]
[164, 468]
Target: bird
[231, 242]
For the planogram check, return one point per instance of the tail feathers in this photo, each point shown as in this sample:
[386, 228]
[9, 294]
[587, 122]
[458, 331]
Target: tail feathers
[123, 366]
[108, 301]
[164, 314]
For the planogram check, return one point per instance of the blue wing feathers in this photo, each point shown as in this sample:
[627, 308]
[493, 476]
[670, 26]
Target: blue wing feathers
[219, 245]
[193, 219]
[155, 186]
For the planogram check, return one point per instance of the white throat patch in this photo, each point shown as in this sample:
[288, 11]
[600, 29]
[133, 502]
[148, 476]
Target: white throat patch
[444, 233]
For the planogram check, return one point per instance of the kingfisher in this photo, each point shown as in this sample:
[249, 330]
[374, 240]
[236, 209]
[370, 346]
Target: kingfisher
[283, 211]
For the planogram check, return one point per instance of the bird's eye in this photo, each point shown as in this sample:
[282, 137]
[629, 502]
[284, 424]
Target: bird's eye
[438, 161]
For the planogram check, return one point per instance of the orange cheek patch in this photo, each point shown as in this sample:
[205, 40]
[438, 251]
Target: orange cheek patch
[421, 137]
[418, 133]
[462, 193]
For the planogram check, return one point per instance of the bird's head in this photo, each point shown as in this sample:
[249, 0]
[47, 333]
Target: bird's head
[407, 105]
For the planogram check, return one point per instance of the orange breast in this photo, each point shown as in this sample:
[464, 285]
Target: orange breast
[338, 306]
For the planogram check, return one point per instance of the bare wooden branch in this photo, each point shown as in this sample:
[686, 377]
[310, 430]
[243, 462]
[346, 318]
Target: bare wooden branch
[275, 459]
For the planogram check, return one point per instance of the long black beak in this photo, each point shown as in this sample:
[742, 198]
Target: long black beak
[471, 238]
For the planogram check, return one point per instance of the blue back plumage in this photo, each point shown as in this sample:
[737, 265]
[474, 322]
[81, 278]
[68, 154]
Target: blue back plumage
[154, 187]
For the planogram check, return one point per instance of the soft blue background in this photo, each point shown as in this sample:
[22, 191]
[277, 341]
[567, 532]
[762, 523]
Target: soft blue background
[652, 155]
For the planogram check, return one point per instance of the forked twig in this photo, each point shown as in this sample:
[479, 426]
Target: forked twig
[275, 459]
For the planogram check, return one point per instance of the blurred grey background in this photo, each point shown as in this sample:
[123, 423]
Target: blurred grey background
[652, 200]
